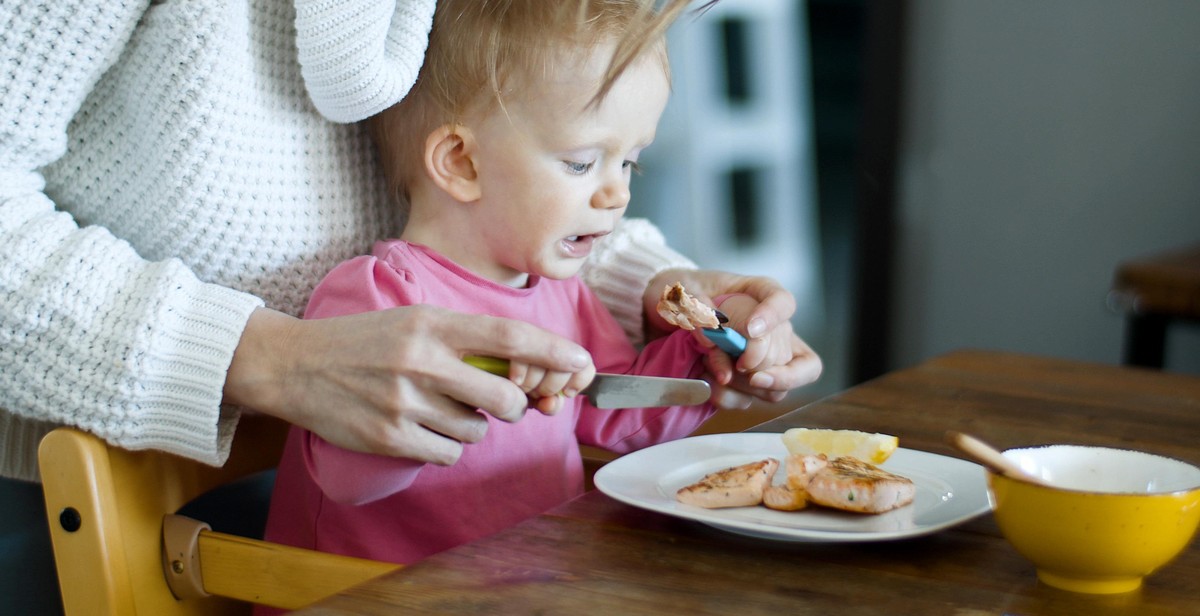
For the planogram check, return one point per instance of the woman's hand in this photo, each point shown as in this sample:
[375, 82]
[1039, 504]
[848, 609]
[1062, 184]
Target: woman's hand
[763, 324]
[391, 382]
[768, 360]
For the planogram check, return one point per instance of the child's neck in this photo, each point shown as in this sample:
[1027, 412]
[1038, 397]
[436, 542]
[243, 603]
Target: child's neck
[450, 229]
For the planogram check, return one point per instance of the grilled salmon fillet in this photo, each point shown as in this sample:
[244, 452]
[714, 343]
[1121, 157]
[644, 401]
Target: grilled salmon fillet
[850, 484]
[736, 486]
[680, 309]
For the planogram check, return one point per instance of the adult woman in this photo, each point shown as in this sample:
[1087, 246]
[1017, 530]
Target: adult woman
[168, 197]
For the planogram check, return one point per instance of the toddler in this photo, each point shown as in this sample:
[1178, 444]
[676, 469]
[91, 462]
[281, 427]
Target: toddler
[512, 156]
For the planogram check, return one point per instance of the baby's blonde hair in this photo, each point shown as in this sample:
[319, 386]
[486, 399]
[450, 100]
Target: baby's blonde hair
[477, 48]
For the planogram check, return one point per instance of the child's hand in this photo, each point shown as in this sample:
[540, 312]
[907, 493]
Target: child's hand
[762, 369]
[547, 388]
[770, 315]
[770, 349]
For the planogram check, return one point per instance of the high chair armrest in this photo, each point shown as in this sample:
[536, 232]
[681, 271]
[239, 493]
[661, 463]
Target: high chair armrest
[199, 562]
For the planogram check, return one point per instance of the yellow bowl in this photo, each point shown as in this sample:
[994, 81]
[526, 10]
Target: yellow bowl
[1109, 518]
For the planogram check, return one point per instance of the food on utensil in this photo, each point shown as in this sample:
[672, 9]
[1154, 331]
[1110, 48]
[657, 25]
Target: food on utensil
[680, 309]
[871, 447]
[736, 486]
[850, 484]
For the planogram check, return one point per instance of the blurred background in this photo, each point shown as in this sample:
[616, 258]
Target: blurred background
[927, 175]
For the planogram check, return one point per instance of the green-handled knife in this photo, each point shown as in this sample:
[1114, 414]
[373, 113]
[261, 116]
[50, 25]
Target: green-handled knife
[620, 391]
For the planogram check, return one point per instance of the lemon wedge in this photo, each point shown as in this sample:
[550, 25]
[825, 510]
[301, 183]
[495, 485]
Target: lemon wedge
[872, 447]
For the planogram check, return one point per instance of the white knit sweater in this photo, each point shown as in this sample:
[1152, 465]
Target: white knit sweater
[163, 172]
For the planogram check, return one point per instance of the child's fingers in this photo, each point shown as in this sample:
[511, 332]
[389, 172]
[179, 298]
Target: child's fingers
[767, 351]
[780, 351]
[756, 356]
[758, 352]
[550, 393]
[532, 377]
[719, 365]
[549, 405]
[551, 385]
[578, 381]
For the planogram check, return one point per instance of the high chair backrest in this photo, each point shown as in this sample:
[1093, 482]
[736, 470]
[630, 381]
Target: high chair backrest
[107, 508]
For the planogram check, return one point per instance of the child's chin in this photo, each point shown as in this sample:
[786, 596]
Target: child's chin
[562, 270]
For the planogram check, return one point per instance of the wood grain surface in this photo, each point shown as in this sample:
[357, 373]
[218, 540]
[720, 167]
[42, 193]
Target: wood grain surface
[594, 555]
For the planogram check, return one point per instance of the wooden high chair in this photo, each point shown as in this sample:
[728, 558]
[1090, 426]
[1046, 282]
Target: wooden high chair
[121, 550]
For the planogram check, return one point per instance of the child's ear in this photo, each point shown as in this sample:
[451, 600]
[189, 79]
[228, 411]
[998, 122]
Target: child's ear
[449, 161]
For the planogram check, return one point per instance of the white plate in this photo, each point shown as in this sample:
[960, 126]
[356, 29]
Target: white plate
[949, 491]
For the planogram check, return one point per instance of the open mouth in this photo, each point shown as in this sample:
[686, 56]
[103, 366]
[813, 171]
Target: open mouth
[580, 245]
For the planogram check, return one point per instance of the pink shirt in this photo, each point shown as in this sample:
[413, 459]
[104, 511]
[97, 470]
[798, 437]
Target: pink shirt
[399, 510]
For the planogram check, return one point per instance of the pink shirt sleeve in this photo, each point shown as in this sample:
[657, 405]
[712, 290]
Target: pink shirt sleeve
[677, 355]
[362, 284]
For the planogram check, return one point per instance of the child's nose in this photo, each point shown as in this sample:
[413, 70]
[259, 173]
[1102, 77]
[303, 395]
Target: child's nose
[611, 195]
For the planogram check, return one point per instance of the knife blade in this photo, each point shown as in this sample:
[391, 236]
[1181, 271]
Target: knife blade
[620, 391]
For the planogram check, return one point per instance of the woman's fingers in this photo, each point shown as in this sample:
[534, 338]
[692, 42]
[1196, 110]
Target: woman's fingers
[771, 384]
[517, 341]
[391, 381]
[776, 305]
[726, 397]
[435, 434]
[804, 368]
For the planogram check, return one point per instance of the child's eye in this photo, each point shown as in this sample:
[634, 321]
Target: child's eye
[578, 168]
[632, 166]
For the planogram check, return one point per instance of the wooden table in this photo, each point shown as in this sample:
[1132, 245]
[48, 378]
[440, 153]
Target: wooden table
[594, 555]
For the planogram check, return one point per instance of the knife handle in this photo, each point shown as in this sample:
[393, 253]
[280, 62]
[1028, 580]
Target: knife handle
[494, 365]
[727, 340]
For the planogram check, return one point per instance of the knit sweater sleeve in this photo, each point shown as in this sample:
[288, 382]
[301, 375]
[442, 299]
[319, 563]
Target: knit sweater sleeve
[91, 334]
[621, 266]
[359, 57]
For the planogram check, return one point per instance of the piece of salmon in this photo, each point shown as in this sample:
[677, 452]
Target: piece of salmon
[851, 484]
[785, 497]
[801, 467]
[736, 486]
[682, 310]
[792, 494]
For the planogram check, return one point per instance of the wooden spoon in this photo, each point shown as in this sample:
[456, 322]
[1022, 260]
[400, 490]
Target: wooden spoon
[990, 457]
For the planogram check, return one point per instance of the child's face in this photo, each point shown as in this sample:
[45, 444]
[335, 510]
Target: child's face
[554, 172]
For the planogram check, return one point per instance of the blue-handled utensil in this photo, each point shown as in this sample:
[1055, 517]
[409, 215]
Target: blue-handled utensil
[726, 339]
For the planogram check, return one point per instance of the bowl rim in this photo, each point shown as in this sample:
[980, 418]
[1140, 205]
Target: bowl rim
[1172, 492]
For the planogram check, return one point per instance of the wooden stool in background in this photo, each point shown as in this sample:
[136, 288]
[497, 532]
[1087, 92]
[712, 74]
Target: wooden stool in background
[1153, 292]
